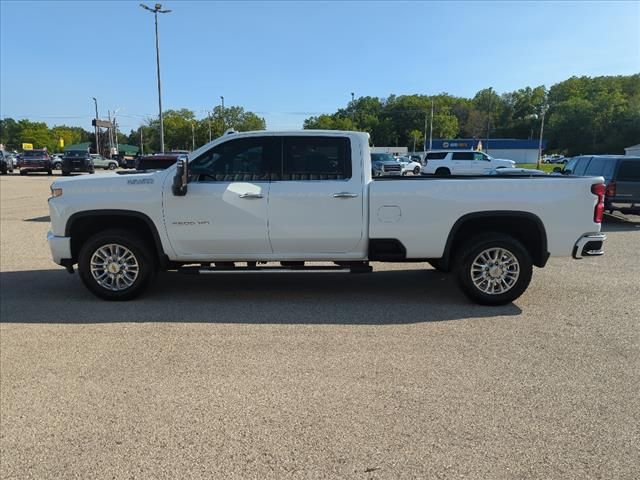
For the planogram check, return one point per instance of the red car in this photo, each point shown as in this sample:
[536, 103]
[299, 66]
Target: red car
[37, 160]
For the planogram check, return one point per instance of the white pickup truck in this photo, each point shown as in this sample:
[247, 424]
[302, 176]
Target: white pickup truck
[246, 200]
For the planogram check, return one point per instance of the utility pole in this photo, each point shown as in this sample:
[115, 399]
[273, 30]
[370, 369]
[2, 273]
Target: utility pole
[486, 148]
[431, 128]
[158, 9]
[424, 143]
[110, 133]
[222, 114]
[141, 142]
[97, 131]
[209, 115]
[544, 111]
[353, 109]
[193, 136]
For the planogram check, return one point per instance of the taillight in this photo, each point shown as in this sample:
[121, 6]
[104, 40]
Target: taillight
[611, 189]
[599, 190]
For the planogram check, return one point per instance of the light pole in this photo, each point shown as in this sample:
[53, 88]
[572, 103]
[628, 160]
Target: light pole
[353, 109]
[95, 101]
[544, 111]
[209, 115]
[431, 129]
[193, 136]
[222, 113]
[156, 10]
[535, 116]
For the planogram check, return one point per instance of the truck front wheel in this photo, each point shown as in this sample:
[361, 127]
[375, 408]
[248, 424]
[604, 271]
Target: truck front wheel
[116, 265]
[493, 269]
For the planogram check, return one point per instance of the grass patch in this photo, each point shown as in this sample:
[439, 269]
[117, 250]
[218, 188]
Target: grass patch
[545, 167]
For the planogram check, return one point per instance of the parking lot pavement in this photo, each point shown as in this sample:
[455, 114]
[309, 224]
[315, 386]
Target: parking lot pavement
[388, 375]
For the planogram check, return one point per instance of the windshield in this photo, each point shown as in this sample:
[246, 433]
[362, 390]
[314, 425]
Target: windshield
[33, 153]
[382, 157]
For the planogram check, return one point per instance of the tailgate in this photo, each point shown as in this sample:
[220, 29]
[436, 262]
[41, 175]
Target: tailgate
[628, 181]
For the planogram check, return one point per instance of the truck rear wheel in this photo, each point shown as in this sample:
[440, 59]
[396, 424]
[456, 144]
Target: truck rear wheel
[443, 172]
[493, 269]
[116, 265]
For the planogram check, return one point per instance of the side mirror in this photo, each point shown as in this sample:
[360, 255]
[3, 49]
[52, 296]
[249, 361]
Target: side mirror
[179, 187]
[557, 170]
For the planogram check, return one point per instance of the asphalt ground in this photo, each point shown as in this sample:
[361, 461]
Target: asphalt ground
[389, 375]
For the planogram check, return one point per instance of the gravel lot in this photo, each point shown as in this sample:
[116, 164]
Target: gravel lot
[388, 375]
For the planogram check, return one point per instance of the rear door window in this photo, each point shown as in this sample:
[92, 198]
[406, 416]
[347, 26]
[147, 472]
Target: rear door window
[436, 155]
[316, 158]
[629, 171]
[463, 156]
[601, 166]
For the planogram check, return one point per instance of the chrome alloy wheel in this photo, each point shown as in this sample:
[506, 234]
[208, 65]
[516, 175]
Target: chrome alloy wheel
[495, 271]
[114, 267]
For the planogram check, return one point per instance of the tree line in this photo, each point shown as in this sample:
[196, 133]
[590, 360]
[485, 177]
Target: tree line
[582, 115]
[182, 130]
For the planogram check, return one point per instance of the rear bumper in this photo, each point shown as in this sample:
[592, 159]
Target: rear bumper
[589, 245]
[60, 248]
[623, 206]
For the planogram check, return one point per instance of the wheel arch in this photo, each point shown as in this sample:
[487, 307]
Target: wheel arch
[526, 227]
[82, 225]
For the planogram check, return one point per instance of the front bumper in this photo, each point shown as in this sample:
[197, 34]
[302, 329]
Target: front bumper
[60, 248]
[589, 245]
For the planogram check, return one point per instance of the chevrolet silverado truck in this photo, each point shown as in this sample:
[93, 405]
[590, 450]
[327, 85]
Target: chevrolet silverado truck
[282, 202]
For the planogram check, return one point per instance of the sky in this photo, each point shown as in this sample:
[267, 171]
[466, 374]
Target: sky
[289, 60]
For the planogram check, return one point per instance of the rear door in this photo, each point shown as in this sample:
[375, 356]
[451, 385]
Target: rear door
[628, 181]
[463, 163]
[316, 199]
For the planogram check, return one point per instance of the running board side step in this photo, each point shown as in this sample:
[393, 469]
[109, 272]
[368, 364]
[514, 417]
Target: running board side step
[196, 270]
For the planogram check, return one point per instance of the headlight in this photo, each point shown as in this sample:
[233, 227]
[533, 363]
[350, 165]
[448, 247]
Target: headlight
[56, 192]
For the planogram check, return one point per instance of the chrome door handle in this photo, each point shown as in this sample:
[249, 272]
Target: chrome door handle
[251, 195]
[345, 195]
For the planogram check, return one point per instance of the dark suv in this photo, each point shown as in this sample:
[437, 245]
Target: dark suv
[36, 160]
[6, 162]
[76, 161]
[621, 176]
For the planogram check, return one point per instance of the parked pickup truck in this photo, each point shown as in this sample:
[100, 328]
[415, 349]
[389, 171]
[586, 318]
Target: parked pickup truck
[308, 196]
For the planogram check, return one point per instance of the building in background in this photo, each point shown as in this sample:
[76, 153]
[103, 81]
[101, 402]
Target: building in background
[633, 150]
[397, 151]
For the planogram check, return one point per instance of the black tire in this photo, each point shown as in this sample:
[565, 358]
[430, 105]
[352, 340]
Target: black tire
[57, 166]
[466, 256]
[112, 166]
[416, 171]
[144, 256]
[91, 172]
[65, 174]
[443, 172]
[49, 172]
[23, 172]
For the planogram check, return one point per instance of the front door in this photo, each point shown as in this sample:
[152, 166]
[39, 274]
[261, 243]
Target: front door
[225, 209]
[316, 200]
